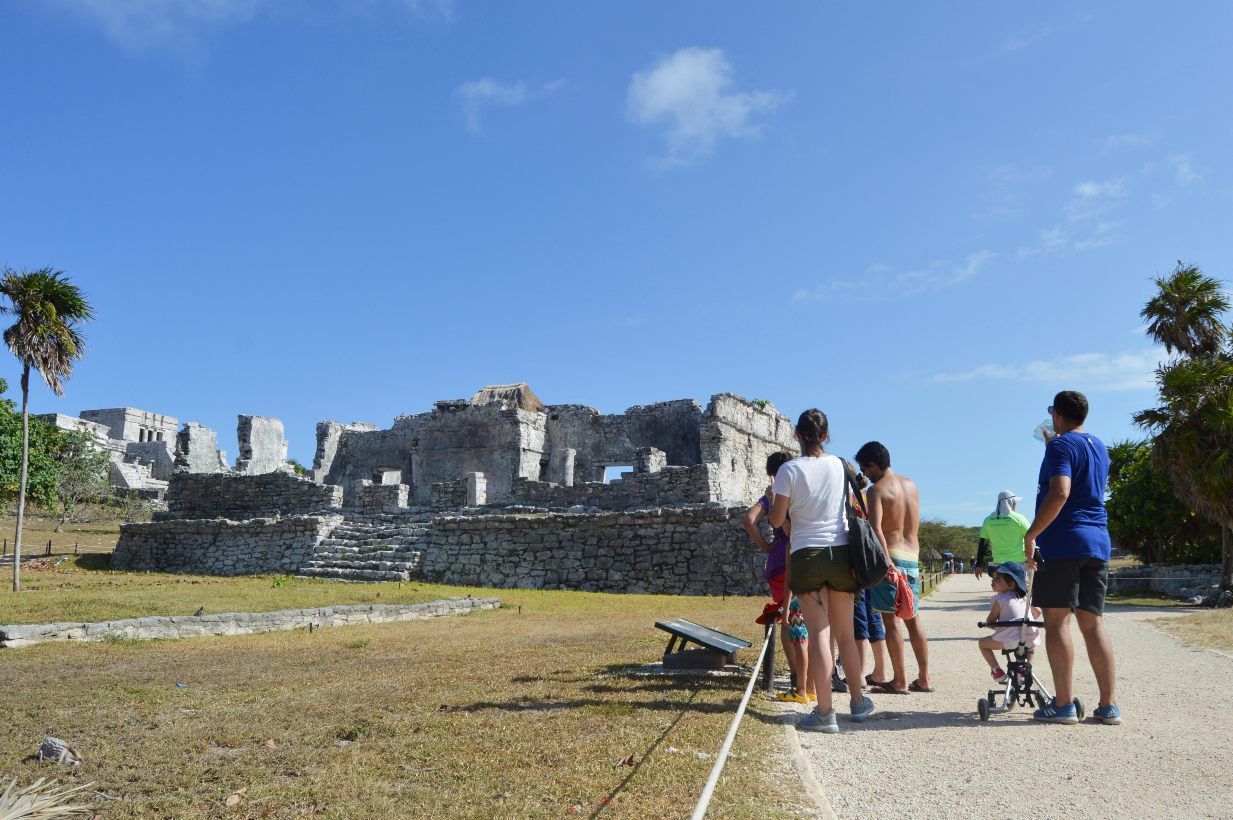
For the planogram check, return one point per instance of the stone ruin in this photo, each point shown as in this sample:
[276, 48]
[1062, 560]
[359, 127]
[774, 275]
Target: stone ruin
[146, 448]
[496, 490]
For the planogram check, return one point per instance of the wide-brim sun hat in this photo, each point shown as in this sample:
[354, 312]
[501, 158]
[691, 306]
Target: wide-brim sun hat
[1015, 572]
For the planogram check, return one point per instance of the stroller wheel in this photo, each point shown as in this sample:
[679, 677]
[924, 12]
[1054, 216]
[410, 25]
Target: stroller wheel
[1079, 710]
[982, 709]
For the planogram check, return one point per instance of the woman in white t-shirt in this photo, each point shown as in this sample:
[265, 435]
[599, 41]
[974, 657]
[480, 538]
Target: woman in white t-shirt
[811, 489]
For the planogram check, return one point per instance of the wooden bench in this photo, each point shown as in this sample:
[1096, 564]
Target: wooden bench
[716, 649]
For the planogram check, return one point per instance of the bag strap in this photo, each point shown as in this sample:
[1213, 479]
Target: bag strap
[850, 489]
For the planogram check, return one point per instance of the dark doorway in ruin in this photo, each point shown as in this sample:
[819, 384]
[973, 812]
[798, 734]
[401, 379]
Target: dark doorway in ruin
[543, 470]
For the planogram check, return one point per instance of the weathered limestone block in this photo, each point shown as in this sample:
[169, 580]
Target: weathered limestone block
[263, 445]
[197, 449]
[649, 460]
[221, 547]
[561, 466]
[242, 496]
[240, 623]
[477, 490]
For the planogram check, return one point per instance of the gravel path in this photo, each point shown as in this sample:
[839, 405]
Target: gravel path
[928, 756]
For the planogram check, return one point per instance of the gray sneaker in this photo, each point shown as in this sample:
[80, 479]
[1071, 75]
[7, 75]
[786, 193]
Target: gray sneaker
[862, 710]
[814, 722]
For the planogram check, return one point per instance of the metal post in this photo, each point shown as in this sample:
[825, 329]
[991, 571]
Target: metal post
[768, 664]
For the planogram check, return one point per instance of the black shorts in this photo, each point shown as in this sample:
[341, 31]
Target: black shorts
[1071, 583]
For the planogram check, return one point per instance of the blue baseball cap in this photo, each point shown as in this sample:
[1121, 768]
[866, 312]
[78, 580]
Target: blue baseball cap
[1014, 571]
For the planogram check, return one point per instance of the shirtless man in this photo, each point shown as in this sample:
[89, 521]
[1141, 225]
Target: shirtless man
[894, 512]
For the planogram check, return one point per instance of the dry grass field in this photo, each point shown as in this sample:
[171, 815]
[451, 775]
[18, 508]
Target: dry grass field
[1210, 628]
[526, 711]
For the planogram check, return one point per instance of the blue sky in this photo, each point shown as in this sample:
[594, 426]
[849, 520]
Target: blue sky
[925, 220]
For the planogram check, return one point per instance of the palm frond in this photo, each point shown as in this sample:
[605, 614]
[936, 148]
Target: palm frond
[42, 801]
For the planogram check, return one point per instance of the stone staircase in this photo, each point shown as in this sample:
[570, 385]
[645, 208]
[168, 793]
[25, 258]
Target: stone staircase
[371, 548]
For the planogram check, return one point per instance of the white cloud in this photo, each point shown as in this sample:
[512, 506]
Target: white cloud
[880, 283]
[139, 23]
[1184, 169]
[478, 94]
[1115, 141]
[688, 93]
[1021, 41]
[1092, 199]
[1082, 371]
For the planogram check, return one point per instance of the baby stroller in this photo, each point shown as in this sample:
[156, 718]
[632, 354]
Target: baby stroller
[1021, 686]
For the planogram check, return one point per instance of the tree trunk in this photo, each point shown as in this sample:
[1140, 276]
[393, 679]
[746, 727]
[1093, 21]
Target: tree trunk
[25, 466]
[1226, 551]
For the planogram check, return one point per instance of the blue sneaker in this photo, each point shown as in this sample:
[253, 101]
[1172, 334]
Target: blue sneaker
[814, 722]
[1053, 713]
[1109, 715]
[861, 711]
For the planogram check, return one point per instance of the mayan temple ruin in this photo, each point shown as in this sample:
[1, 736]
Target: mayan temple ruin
[496, 490]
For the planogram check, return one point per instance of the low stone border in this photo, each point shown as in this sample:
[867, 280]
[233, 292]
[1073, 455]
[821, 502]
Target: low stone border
[238, 623]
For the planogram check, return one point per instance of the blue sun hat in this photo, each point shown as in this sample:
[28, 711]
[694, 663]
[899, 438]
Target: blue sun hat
[1015, 572]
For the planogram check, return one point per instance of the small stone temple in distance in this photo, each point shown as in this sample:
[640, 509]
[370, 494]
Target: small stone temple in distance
[496, 490]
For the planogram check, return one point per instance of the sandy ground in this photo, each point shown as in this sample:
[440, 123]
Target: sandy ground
[929, 756]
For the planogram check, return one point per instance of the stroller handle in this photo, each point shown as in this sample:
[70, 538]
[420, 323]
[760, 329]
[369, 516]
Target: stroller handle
[997, 624]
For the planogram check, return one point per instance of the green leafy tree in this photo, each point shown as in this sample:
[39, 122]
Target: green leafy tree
[46, 336]
[44, 443]
[1145, 515]
[943, 537]
[83, 469]
[1193, 423]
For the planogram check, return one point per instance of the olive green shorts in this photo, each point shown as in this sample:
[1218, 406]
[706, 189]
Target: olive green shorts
[814, 569]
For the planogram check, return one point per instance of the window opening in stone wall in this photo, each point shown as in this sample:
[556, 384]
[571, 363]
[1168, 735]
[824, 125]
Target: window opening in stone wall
[159, 435]
[614, 473]
[543, 470]
[141, 434]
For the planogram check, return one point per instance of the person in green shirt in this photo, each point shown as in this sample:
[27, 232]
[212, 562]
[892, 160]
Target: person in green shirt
[1001, 535]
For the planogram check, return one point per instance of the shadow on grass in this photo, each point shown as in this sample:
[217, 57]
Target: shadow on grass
[607, 801]
[547, 705]
[94, 561]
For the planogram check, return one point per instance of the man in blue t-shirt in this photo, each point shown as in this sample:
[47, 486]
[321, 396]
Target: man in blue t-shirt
[1071, 528]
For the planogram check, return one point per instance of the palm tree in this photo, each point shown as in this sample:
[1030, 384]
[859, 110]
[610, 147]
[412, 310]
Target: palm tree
[1193, 426]
[45, 336]
[1185, 315]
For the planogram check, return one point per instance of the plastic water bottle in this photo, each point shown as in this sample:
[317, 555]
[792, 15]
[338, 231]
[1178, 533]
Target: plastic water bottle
[1045, 426]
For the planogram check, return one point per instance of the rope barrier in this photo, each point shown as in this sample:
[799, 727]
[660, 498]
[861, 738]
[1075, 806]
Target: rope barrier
[704, 801]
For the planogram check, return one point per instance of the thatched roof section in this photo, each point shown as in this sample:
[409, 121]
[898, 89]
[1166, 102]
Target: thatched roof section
[511, 395]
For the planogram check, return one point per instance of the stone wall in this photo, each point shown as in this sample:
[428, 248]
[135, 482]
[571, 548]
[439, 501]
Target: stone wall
[194, 495]
[683, 551]
[737, 436]
[197, 450]
[263, 445]
[451, 495]
[239, 623]
[1180, 581]
[131, 424]
[669, 486]
[375, 498]
[221, 547]
[456, 438]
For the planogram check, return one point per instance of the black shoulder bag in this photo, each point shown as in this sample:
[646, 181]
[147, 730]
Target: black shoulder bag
[869, 562]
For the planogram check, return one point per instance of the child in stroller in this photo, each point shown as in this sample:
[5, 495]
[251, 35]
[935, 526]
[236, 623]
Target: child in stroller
[1017, 626]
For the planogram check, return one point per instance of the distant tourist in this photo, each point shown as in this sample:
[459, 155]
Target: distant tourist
[1001, 534]
[894, 512]
[811, 489]
[1071, 530]
[795, 635]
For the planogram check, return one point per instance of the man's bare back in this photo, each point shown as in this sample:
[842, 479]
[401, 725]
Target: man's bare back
[894, 511]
